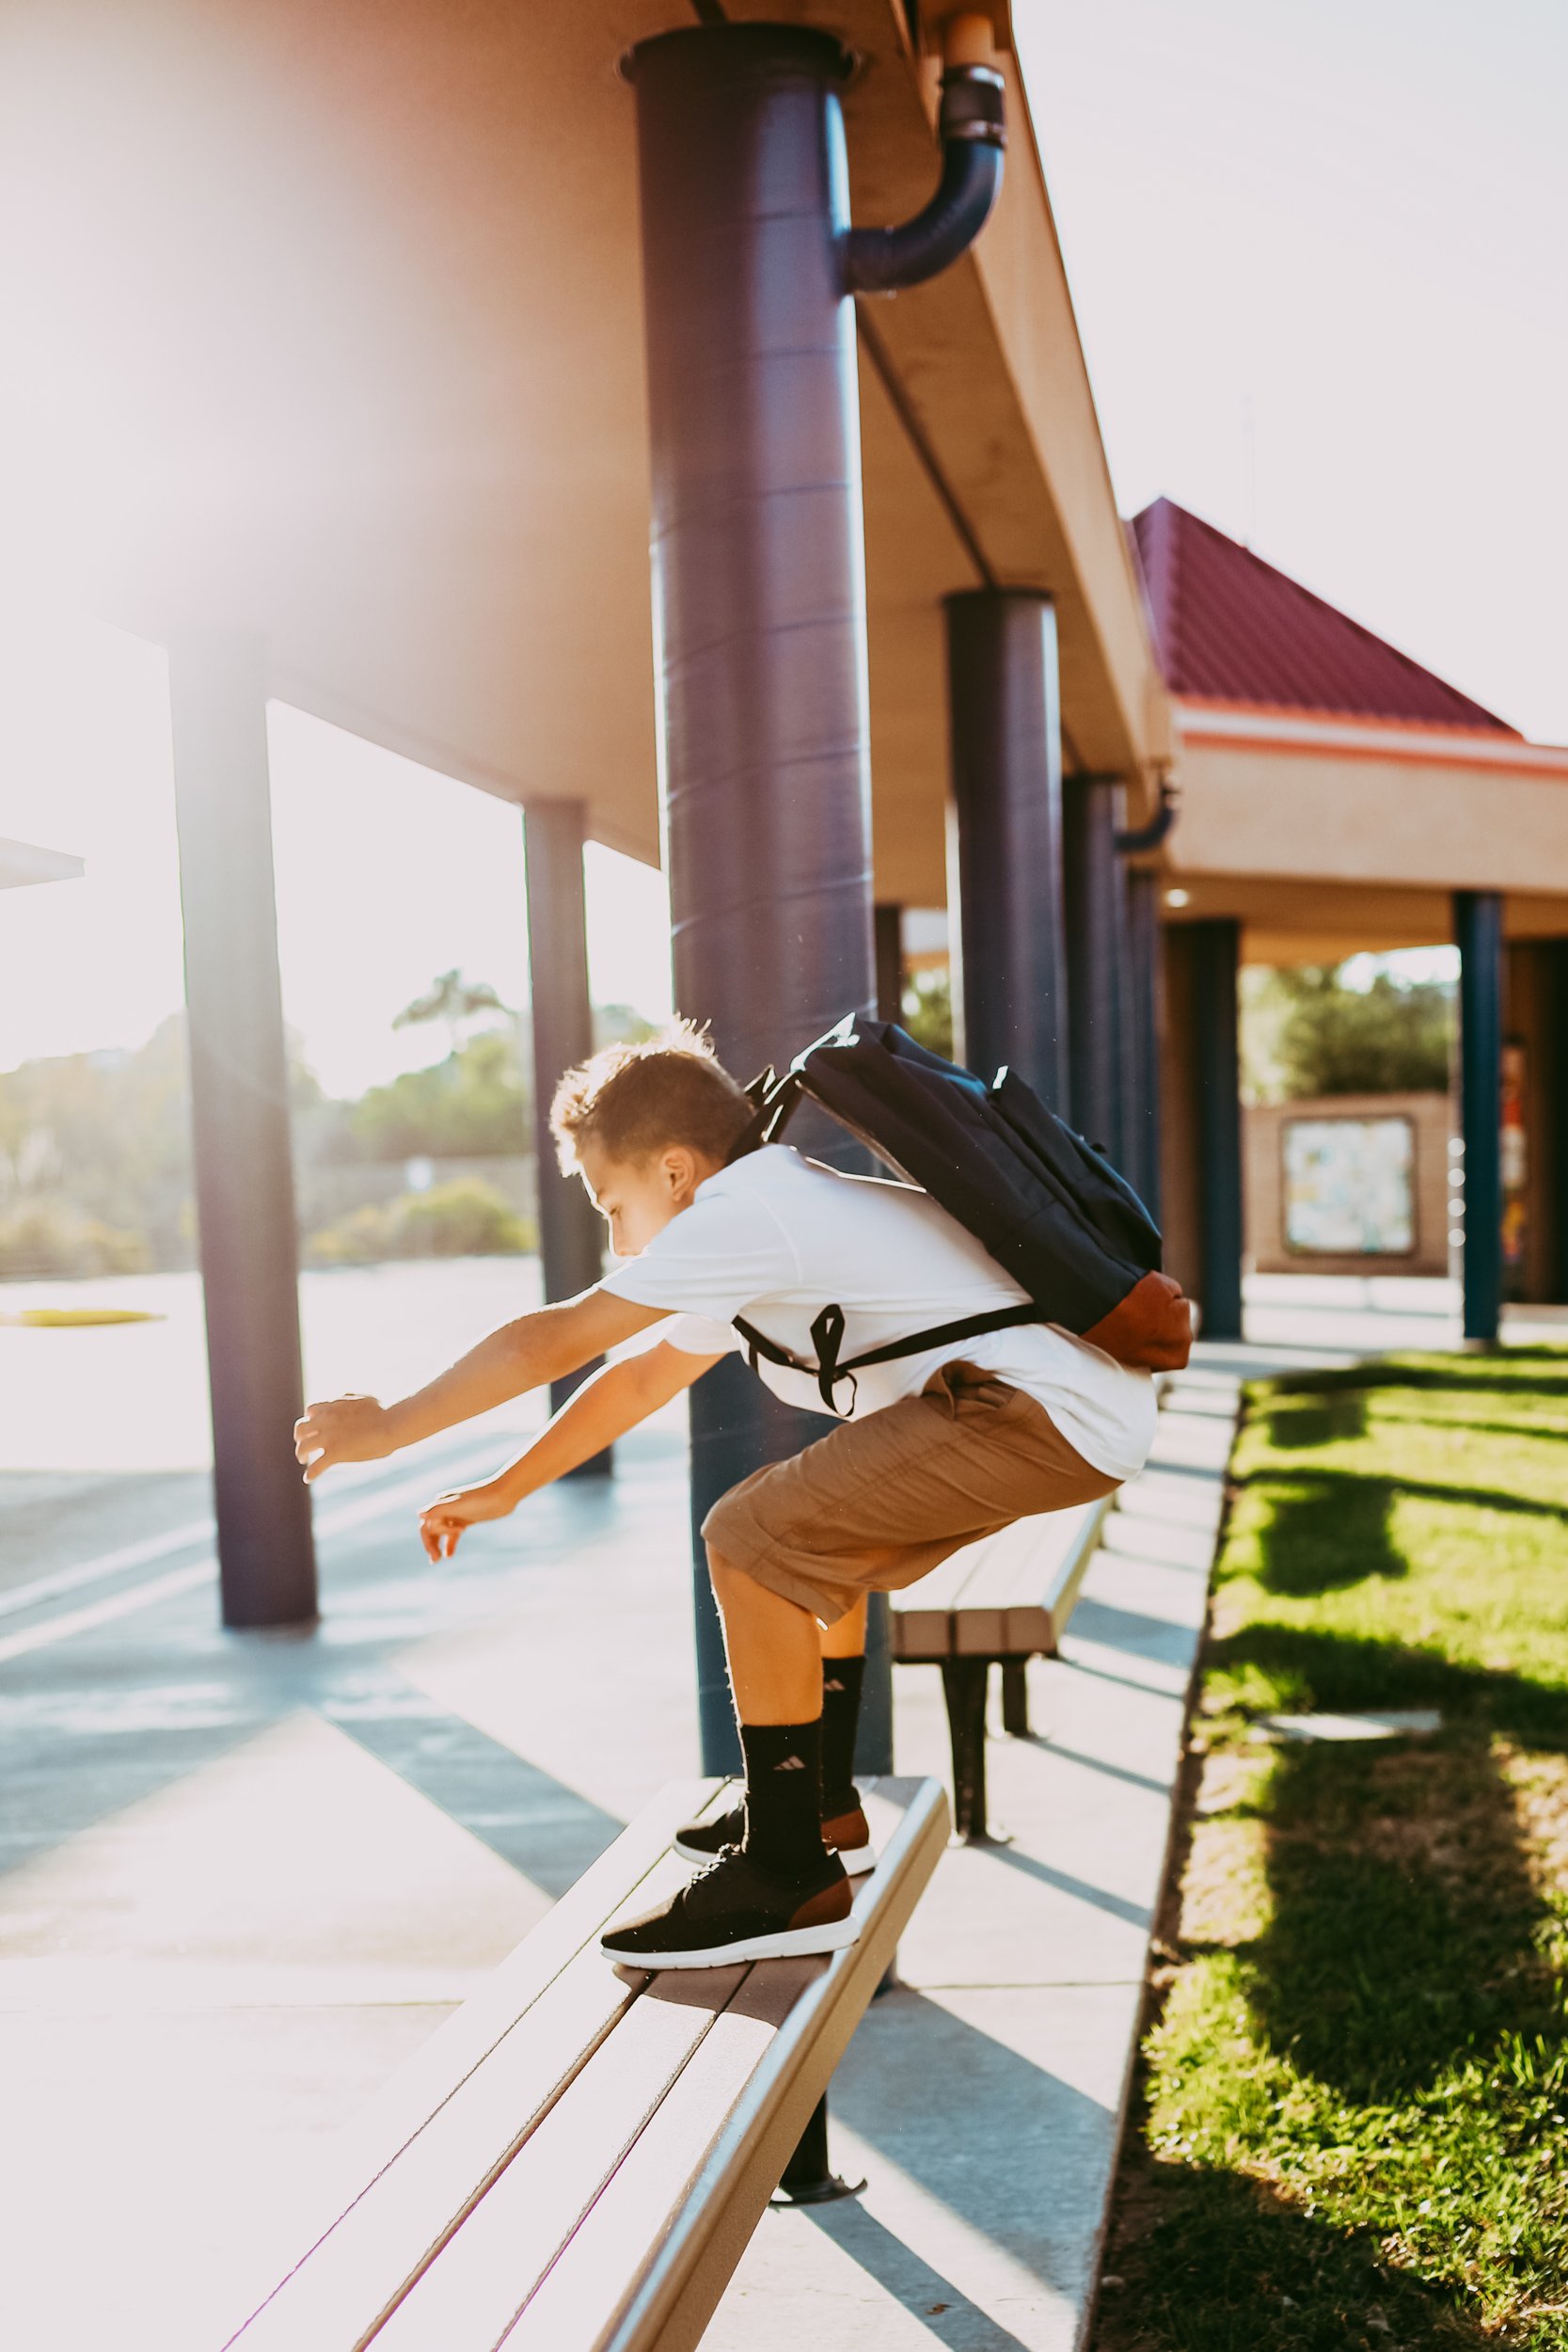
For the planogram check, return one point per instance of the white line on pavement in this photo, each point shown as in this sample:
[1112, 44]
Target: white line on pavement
[406, 1490]
[106, 1564]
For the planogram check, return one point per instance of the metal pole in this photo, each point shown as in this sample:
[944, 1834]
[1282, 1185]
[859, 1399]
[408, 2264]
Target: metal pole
[1478, 922]
[571, 1234]
[1215, 950]
[890, 961]
[1010, 982]
[1091, 892]
[240, 1127]
[759, 606]
[1141, 1137]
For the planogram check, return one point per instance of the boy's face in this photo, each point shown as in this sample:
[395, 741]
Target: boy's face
[638, 1197]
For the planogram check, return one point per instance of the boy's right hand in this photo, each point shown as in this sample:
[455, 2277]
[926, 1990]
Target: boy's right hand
[441, 1522]
[347, 1429]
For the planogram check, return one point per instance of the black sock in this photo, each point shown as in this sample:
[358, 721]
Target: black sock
[784, 1797]
[841, 1715]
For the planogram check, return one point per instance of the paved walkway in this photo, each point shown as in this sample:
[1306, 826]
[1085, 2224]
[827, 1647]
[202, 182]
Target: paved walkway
[243, 1876]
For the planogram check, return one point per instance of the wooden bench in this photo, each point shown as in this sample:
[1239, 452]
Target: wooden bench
[998, 1602]
[576, 2161]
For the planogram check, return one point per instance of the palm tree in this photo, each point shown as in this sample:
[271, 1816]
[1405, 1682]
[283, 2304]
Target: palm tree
[451, 999]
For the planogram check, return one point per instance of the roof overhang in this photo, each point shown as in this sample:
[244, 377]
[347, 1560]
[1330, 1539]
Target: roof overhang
[327, 325]
[1325, 833]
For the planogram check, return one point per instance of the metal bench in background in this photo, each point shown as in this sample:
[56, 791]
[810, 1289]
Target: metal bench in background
[576, 2159]
[998, 1602]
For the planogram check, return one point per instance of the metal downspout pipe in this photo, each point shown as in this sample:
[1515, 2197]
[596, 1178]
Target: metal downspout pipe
[759, 565]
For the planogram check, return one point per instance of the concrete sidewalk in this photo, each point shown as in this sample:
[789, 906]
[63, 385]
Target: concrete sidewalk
[246, 1875]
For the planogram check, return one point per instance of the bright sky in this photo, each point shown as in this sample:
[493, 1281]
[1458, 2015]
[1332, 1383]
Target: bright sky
[386, 874]
[1316, 252]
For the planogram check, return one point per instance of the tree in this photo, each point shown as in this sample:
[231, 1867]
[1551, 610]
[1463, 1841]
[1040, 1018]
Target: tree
[451, 999]
[1307, 1033]
[468, 1106]
[926, 1010]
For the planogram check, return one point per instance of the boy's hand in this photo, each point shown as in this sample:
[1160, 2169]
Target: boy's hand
[442, 1521]
[349, 1429]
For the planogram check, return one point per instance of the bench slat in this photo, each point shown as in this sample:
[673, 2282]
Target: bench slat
[426, 2149]
[587, 2290]
[1015, 1593]
[563, 2107]
[467, 2300]
[683, 2280]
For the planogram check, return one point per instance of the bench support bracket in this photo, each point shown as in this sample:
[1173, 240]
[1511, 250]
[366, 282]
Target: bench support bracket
[807, 2180]
[1015, 1697]
[964, 1682]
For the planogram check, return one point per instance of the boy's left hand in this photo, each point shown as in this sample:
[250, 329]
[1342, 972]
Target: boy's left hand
[442, 1522]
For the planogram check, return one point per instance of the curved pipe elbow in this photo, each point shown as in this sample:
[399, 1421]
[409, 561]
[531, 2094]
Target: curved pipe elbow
[974, 135]
[1150, 836]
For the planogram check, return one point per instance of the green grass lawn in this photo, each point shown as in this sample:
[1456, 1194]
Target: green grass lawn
[1351, 2122]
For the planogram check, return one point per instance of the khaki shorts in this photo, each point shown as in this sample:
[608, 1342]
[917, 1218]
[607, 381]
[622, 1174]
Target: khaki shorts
[877, 1504]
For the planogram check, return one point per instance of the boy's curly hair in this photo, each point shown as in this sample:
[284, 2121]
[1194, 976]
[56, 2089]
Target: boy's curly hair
[632, 1100]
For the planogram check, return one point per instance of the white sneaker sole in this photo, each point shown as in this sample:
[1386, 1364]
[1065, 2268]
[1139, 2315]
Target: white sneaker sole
[857, 1860]
[789, 1944]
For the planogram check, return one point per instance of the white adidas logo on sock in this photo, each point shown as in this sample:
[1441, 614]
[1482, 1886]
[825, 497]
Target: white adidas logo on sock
[791, 1764]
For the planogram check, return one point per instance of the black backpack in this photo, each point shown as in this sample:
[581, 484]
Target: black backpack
[1051, 1210]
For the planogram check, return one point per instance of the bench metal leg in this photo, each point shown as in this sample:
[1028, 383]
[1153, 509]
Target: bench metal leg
[1015, 1697]
[964, 1682]
[807, 2180]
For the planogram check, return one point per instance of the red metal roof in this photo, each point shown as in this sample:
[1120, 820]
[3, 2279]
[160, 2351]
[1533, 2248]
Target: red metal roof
[1228, 627]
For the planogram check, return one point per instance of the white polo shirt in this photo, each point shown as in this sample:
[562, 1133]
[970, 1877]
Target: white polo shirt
[776, 1238]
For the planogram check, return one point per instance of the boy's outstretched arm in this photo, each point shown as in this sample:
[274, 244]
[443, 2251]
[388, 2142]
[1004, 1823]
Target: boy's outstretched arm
[543, 1346]
[604, 1408]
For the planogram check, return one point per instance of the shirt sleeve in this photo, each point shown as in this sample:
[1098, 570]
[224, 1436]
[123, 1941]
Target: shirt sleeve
[697, 1335]
[715, 1260]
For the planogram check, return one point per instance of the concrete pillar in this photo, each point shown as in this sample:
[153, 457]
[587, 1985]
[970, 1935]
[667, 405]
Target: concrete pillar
[1141, 976]
[240, 1127]
[759, 610]
[570, 1232]
[1215, 948]
[1010, 977]
[1091, 896]
[888, 943]
[1477, 923]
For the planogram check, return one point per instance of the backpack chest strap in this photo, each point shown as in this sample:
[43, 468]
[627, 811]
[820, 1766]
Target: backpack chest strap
[827, 1333]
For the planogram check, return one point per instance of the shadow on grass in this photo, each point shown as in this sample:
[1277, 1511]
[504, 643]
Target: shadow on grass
[1339, 1532]
[1217, 2262]
[1404, 1920]
[1513, 1369]
[1341, 1486]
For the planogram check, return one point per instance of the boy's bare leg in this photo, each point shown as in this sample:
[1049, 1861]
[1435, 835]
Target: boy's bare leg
[774, 1651]
[847, 1639]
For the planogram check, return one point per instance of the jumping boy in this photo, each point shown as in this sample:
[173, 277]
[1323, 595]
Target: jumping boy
[932, 1453]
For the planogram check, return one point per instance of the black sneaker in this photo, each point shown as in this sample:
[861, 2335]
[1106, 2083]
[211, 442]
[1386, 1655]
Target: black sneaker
[733, 1911]
[847, 1835]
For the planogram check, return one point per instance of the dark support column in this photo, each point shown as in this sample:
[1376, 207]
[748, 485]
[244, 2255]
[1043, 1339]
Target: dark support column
[890, 963]
[1091, 895]
[1478, 922]
[571, 1232]
[759, 606]
[240, 1128]
[1141, 1034]
[1552, 1094]
[1215, 950]
[1010, 992]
